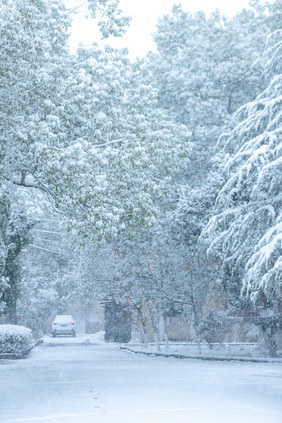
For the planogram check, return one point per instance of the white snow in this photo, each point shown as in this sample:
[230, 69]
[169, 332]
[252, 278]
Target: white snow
[14, 330]
[232, 350]
[95, 338]
[66, 382]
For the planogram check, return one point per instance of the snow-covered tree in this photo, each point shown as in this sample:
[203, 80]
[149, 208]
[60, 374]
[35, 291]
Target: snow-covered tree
[3, 220]
[33, 38]
[83, 129]
[204, 70]
[249, 204]
[46, 267]
[111, 20]
[4, 213]
[17, 237]
[245, 232]
[203, 67]
[264, 268]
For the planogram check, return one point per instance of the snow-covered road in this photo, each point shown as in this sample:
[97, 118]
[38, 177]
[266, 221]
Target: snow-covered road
[66, 381]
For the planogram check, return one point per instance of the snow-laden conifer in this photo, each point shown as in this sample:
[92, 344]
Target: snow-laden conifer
[246, 229]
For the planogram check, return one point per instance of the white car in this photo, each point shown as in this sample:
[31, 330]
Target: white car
[63, 324]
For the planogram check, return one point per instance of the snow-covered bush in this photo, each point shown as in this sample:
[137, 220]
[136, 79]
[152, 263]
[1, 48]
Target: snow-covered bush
[17, 340]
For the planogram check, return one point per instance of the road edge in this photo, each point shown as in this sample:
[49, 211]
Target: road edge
[205, 358]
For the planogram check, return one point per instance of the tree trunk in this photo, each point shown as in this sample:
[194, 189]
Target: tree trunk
[166, 333]
[145, 332]
[13, 318]
[271, 342]
[155, 328]
[196, 325]
[229, 105]
[143, 322]
[4, 214]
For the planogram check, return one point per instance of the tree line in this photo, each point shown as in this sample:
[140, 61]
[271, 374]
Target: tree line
[156, 182]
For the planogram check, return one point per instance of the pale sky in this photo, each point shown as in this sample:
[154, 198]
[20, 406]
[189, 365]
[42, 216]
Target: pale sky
[145, 14]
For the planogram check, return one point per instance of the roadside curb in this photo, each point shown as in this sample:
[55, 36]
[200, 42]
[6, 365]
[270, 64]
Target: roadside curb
[205, 358]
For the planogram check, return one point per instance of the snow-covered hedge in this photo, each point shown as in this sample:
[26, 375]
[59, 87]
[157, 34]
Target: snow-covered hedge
[16, 340]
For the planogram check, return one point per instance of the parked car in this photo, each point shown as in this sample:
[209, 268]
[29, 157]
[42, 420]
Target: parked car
[63, 324]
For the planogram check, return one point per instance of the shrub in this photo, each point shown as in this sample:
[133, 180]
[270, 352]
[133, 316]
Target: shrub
[16, 340]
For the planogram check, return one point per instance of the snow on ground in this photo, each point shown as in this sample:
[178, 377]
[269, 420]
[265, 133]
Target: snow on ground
[94, 338]
[69, 380]
[225, 350]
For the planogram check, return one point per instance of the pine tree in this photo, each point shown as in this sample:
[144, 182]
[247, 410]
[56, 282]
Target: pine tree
[245, 232]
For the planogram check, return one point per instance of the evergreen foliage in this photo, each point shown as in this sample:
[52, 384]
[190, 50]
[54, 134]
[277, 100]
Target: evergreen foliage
[246, 227]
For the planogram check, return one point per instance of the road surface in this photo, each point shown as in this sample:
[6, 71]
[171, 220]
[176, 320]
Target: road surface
[70, 381]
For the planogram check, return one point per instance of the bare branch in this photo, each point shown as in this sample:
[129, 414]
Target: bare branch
[44, 249]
